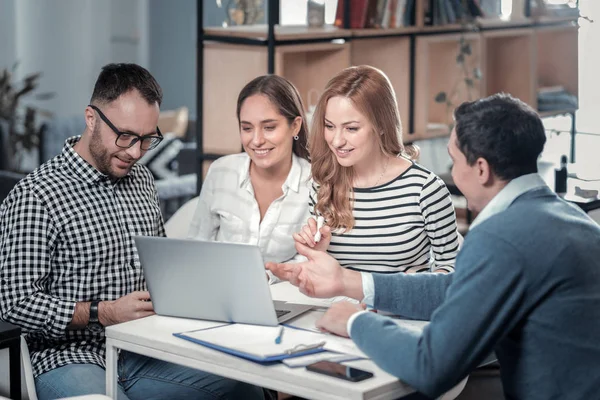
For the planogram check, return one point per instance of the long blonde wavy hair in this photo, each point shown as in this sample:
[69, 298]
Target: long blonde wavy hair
[371, 92]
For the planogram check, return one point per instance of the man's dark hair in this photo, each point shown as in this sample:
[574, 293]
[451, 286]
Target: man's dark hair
[504, 131]
[118, 79]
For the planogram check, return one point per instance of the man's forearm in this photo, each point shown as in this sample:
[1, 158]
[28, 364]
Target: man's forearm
[81, 316]
[353, 286]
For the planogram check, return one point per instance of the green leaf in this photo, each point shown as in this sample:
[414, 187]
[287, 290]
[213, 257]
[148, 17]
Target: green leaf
[466, 49]
[469, 82]
[460, 58]
[477, 73]
[441, 97]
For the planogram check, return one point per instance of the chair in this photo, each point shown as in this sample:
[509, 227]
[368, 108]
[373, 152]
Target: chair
[8, 180]
[27, 381]
[178, 225]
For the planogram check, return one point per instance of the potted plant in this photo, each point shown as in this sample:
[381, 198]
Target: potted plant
[19, 131]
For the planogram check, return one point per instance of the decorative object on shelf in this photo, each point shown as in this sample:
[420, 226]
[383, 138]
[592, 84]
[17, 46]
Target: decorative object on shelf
[315, 13]
[470, 74]
[19, 132]
[560, 176]
[555, 98]
[566, 9]
[242, 12]
[518, 10]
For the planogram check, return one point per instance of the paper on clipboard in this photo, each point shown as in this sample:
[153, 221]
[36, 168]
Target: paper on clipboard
[257, 342]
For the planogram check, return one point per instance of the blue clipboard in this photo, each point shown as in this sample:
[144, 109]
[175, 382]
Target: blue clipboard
[295, 351]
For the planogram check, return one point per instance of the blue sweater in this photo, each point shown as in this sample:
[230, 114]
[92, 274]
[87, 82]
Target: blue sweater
[527, 286]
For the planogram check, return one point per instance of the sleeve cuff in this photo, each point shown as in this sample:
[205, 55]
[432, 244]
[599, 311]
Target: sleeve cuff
[272, 278]
[368, 288]
[351, 321]
[60, 315]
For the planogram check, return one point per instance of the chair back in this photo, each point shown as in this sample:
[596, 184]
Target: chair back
[179, 224]
[27, 381]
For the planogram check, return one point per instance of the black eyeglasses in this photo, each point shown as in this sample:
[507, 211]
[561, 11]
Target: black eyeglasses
[127, 139]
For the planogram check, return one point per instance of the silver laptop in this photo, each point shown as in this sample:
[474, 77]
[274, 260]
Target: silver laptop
[210, 280]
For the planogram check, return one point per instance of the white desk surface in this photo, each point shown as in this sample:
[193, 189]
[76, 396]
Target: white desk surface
[153, 337]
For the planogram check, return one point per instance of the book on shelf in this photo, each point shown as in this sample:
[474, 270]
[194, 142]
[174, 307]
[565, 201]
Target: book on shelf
[375, 13]
[358, 13]
[444, 12]
[491, 8]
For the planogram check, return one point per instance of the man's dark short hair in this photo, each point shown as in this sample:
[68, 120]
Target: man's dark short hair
[504, 131]
[118, 79]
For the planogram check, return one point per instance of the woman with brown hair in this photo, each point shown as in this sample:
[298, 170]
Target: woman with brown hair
[259, 196]
[383, 211]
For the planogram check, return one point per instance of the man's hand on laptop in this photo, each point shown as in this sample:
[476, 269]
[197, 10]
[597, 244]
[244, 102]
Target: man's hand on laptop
[127, 308]
[320, 276]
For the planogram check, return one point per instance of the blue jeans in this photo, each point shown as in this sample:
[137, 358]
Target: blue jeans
[141, 377]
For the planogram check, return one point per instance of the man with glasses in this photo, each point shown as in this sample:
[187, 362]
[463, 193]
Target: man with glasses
[68, 263]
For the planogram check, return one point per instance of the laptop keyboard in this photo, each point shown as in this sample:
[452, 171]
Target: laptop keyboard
[281, 313]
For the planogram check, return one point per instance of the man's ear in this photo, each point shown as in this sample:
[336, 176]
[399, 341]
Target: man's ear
[485, 175]
[90, 118]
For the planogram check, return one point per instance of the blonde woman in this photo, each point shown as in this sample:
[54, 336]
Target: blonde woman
[383, 211]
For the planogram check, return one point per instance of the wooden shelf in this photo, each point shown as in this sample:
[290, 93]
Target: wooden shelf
[228, 67]
[281, 32]
[443, 28]
[548, 19]
[405, 30]
[555, 113]
[517, 56]
[310, 66]
[391, 55]
[503, 23]
[557, 57]
[502, 71]
[437, 70]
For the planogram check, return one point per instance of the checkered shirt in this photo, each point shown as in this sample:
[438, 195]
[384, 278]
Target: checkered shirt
[66, 235]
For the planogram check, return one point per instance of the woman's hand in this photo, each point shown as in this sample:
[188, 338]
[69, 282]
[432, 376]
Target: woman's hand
[306, 236]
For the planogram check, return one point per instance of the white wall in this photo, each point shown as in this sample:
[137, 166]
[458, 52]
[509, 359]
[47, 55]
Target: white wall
[69, 41]
[172, 52]
[7, 37]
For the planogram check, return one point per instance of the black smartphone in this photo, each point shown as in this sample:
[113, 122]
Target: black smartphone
[339, 371]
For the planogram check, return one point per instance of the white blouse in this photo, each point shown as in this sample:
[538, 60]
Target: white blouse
[228, 211]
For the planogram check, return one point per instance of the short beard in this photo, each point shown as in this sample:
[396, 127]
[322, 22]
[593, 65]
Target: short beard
[100, 154]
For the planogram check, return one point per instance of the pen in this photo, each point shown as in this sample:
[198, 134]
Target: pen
[320, 223]
[279, 336]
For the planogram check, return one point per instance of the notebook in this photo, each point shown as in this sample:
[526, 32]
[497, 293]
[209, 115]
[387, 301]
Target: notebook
[257, 343]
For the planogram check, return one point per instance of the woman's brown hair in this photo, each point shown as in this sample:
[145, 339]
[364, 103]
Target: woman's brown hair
[371, 92]
[285, 98]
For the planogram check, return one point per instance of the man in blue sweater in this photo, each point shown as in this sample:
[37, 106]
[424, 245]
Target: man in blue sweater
[527, 280]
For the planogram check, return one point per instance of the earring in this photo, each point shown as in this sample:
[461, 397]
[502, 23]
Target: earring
[296, 137]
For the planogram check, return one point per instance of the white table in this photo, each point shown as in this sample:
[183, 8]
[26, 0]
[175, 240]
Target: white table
[153, 337]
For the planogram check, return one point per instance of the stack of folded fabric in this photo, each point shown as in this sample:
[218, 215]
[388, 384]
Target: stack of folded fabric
[556, 98]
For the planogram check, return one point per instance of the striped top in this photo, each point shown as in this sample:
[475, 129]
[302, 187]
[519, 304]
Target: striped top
[399, 226]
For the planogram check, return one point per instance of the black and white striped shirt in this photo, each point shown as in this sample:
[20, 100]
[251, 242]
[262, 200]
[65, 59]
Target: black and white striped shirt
[66, 235]
[399, 225]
